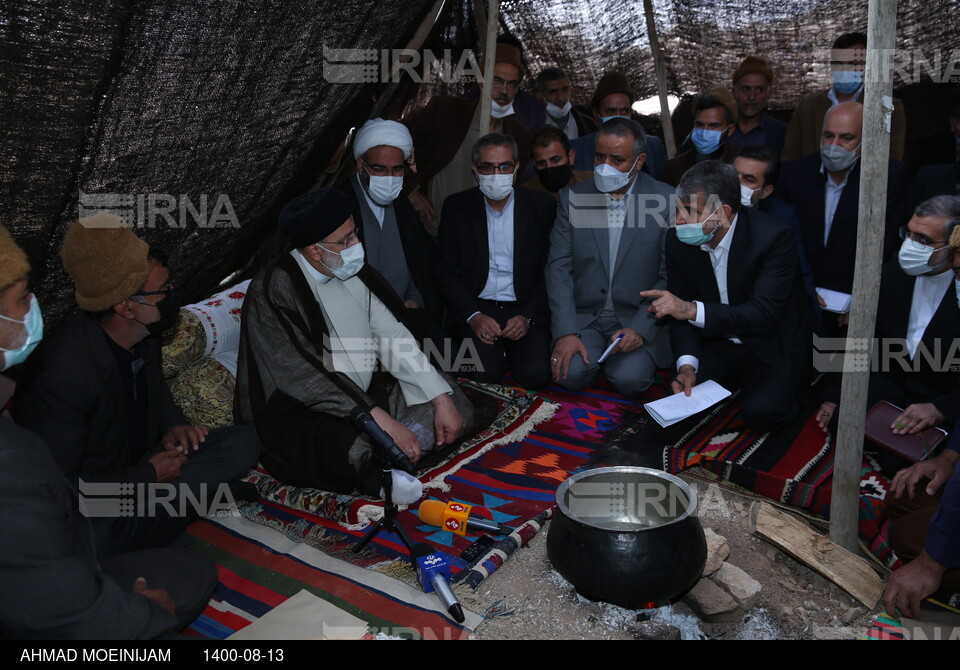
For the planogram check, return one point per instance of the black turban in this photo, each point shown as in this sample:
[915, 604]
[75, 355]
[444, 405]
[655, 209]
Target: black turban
[310, 217]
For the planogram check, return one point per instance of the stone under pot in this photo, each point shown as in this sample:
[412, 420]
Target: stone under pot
[627, 536]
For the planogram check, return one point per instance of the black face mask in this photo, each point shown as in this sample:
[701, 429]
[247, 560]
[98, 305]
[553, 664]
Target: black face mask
[169, 309]
[556, 177]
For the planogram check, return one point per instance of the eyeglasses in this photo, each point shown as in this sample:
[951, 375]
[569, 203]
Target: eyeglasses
[512, 85]
[347, 241]
[502, 168]
[918, 238]
[165, 291]
[377, 170]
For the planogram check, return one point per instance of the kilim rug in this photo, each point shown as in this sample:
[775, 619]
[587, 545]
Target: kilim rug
[513, 473]
[793, 466]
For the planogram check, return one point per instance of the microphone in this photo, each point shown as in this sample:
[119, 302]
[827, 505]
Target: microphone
[456, 517]
[388, 448]
[433, 574]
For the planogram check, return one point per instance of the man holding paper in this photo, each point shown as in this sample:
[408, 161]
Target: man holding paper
[738, 310]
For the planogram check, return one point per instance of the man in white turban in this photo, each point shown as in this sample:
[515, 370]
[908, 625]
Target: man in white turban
[394, 241]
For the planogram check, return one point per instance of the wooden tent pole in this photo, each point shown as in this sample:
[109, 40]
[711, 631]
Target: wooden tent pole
[875, 154]
[489, 62]
[661, 69]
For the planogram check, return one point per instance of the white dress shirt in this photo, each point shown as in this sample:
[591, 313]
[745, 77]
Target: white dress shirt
[928, 292]
[719, 259]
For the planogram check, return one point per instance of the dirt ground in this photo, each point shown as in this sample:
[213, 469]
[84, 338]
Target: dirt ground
[528, 599]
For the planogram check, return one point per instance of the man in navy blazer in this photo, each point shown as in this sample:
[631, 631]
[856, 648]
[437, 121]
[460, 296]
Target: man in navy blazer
[825, 189]
[738, 312]
[493, 247]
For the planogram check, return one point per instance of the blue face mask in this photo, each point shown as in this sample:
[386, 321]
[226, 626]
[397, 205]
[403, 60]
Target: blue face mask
[33, 324]
[604, 119]
[692, 233]
[706, 141]
[847, 82]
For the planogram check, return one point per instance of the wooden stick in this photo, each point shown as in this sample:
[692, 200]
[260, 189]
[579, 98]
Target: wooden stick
[668, 137]
[848, 571]
[877, 113]
[490, 60]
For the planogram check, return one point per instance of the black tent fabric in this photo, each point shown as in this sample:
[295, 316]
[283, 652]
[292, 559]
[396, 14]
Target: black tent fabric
[182, 114]
[177, 102]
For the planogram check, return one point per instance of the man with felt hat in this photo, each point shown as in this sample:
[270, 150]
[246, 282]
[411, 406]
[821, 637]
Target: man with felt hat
[323, 334]
[99, 401]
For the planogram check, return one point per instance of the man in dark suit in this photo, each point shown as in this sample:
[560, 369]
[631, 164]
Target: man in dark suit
[54, 586]
[918, 324]
[493, 248]
[387, 224]
[444, 131]
[99, 401]
[752, 85]
[759, 170]
[606, 246]
[825, 189]
[740, 315]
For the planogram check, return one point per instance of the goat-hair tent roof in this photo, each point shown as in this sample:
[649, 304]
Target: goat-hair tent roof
[229, 99]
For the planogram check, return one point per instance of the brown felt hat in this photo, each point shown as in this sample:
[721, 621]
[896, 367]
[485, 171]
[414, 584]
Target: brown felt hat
[753, 65]
[107, 261]
[14, 265]
[610, 83]
[509, 54]
[955, 238]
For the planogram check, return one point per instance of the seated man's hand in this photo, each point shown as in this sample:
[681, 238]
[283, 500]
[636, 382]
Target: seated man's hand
[485, 328]
[159, 596]
[516, 328]
[447, 421]
[915, 418]
[566, 348]
[937, 469]
[403, 436]
[631, 341]
[410, 304]
[912, 583]
[685, 380]
[167, 464]
[184, 438]
[825, 414]
[667, 304]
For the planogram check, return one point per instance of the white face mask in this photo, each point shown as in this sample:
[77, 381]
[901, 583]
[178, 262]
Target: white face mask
[837, 159]
[496, 186]
[746, 195]
[914, 258]
[352, 261]
[384, 190]
[500, 111]
[559, 112]
[609, 179]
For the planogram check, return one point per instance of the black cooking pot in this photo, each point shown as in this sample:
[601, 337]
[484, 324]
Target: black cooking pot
[627, 536]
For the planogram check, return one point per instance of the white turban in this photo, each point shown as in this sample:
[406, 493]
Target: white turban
[378, 132]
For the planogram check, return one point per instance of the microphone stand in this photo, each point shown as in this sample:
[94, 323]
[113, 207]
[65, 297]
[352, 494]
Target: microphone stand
[389, 519]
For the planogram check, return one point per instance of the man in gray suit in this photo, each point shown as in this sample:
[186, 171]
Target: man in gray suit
[606, 247]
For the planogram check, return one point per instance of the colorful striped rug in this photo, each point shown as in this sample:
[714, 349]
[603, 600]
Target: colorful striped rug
[301, 538]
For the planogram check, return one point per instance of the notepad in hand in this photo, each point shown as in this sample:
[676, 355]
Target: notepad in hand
[677, 407]
[837, 302]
